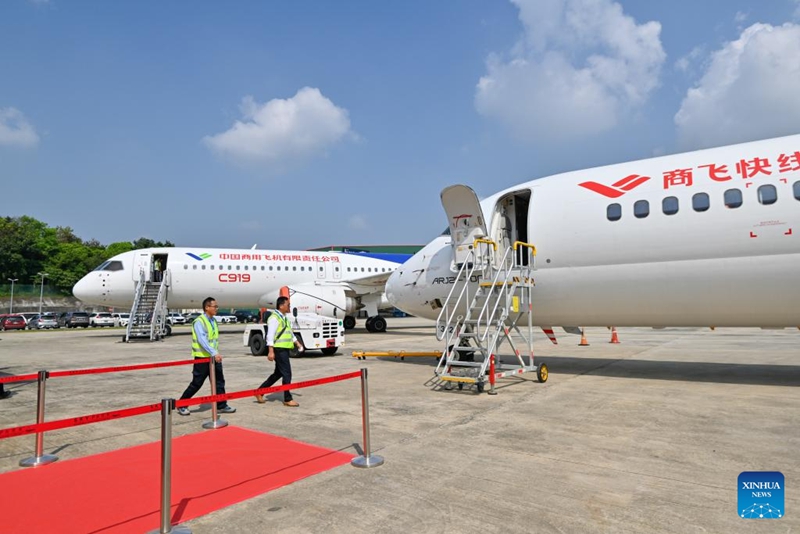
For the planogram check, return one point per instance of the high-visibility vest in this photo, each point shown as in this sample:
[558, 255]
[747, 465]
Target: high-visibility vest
[213, 337]
[285, 331]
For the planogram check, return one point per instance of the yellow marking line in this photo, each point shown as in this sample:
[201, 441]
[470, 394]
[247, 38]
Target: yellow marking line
[394, 353]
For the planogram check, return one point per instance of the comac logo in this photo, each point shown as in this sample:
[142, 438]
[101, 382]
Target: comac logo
[465, 216]
[201, 257]
[617, 189]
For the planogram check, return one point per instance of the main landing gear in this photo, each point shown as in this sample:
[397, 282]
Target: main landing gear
[373, 324]
[376, 324]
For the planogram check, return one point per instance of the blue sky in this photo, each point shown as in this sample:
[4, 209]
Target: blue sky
[301, 124]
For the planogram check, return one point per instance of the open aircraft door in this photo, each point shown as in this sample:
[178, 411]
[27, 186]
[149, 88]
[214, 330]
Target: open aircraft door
[466, 220]
[141, 262]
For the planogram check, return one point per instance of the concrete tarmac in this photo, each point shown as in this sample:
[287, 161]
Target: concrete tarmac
[648, 436]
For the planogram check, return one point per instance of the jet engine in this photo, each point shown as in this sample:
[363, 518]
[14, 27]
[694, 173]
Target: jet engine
[331, 301]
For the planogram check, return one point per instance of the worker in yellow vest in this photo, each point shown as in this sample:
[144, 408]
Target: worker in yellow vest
[205, 344]
[280, 341]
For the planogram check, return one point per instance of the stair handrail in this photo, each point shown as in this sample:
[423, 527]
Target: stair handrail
[159, 310]
[467, 268]
[137, 296]
[482, 316]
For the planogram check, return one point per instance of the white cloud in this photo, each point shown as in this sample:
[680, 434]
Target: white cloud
[282, 131]
[579, 67]
[685, 63]
[740, 17]
[357, 222]
[15, 130]
[749, 90]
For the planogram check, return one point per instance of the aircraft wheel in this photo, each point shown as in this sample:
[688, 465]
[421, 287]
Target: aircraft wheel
[167, 330]
[479, 387]
[460, 386]
[542, 373]
[349, 322]
[378, 324]
[368, 325]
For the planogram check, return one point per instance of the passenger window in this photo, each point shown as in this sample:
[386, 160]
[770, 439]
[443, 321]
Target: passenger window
[614, 212]
[733, 198]
[211, 267]
[278, 268]
[270, 267]
[238, 267]
[670, 205]
[245, 267]
[797, 190]
[194, 267]
[700, 202]
[641, 209]
[203, 267]
[767, 194]
[294, 268]
[185, 266]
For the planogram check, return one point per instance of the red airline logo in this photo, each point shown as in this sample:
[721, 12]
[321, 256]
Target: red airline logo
[617, 189]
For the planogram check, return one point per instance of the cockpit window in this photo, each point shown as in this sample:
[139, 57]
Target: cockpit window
[115, 265]
[446, 231]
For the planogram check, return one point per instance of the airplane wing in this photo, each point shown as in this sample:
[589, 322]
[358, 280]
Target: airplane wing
[368, 284]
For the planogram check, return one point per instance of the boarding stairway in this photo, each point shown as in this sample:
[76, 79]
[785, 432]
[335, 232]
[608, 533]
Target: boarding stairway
[494, 308]
[149, 312]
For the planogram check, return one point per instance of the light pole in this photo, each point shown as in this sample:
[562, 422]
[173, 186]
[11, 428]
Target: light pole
[11, 307]
[41, 292]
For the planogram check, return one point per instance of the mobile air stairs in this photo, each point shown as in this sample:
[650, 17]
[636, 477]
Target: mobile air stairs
[149, 312]
[495, 307]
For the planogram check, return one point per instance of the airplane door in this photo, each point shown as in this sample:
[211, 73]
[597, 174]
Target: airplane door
[141, 262]
[337, 269]
[465, 217]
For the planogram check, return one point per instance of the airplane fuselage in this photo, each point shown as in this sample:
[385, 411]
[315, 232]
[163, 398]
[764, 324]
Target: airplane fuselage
[708, 238]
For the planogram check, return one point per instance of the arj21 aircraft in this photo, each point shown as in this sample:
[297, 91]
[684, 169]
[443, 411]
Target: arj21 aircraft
[704, 238]
[334, 284]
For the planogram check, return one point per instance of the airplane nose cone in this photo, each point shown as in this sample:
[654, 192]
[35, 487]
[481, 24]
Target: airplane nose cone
[82, 290]
[393, 290]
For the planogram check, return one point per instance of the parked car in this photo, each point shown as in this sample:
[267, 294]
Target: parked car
[176, 318]
[27, 316]
[13, 322]
[74, 319]
[122, 319]
[101, 319]
[246, 317]
[190, 317]
[226, 318]
[43, 321]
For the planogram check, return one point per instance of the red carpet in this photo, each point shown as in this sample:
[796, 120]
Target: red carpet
[120, 491]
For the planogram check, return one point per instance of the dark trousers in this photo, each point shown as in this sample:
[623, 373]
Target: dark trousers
[200, 372]
[283, 369]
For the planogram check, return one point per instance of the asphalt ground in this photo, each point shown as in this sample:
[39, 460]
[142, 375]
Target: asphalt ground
[647, 436]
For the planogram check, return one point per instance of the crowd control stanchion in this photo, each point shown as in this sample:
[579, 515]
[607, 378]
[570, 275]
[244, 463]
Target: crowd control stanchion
[167, 405]
[39, 458]
[215, 422]
[368, 460]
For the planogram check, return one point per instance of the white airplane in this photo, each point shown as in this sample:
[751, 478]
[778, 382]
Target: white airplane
[335, 284]
[705, 238]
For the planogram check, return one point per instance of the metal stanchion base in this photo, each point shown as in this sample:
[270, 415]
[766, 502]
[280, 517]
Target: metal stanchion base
[219, 423]
[177, 529]
[367, 461]
[36, 461]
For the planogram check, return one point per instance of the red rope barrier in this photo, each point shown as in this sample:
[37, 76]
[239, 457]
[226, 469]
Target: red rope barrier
[99, 370]
[148, 408]
[20, 378]
[264, 391]
[77, 421]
